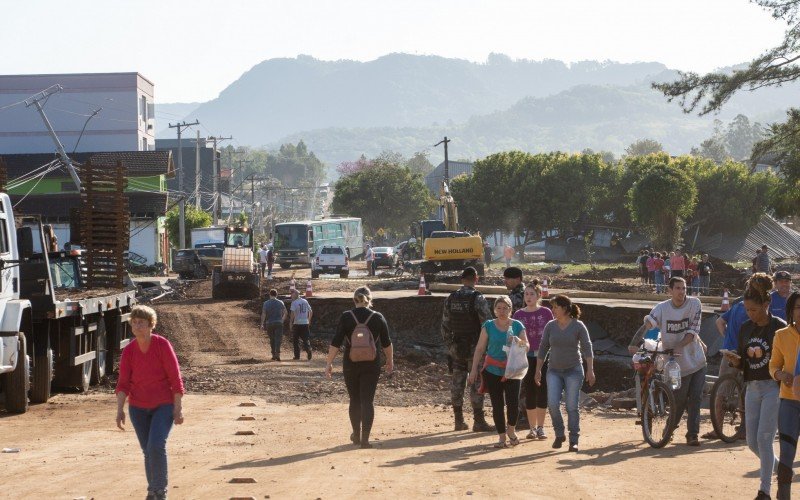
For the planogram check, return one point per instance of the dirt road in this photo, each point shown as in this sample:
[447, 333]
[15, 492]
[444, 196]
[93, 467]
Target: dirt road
[70, 448]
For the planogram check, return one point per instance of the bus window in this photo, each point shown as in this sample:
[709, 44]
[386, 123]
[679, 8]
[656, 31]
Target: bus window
[291, 237]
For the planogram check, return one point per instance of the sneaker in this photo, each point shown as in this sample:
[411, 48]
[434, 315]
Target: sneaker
[540, 433]
[531, 435]
[692, 441]
[573, 447]
[558, 442]
[762, 496]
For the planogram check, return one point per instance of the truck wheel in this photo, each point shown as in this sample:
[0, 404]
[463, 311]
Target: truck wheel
[200, 272]
[314, 274]
[18, 382]
[344, 274]
[285, 265]
[42, 378]
[99, 372]
[82, 376]
[479, 268]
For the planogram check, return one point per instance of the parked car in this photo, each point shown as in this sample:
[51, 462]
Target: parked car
[196, 262]
[330, 259]
[385, 256]
[400, 248]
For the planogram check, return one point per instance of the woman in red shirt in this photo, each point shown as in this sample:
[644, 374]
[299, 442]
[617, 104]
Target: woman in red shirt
[149, 376]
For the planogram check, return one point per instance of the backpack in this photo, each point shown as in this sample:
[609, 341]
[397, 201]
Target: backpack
[362, 343]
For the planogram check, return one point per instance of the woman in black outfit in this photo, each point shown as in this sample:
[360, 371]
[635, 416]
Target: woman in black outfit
[361, 378]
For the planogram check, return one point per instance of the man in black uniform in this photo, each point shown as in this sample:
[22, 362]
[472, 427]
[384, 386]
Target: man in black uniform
[465, 311]
[516, 290]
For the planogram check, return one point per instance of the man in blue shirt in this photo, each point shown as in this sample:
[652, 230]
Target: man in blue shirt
[273, 315]
[783, 288]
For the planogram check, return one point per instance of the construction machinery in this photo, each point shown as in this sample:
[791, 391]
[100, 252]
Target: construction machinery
[237, 277]
[445, 247]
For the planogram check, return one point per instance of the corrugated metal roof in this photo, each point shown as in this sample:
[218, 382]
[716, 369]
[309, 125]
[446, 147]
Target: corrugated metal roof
[781, 240]
[138, 163]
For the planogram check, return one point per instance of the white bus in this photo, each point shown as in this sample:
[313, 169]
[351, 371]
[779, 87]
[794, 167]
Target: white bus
[296, 242]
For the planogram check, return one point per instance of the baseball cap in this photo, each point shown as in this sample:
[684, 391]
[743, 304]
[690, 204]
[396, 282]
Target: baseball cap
[512, 272]
[782, 275]
[469, 272]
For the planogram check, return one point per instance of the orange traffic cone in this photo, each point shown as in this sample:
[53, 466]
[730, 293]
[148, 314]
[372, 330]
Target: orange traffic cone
[726, 304]
[422, 289]
[545, 290]
[309, 290]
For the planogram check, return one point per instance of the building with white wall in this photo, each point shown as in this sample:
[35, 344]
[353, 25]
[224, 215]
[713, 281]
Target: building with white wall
[125, 120]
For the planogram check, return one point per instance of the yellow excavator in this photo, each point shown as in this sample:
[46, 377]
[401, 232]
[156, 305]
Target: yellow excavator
[445, 247]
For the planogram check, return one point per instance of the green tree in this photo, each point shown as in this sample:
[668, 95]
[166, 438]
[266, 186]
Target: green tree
[384, 195]
[419, 164]
[713, 149]
[644, 147]
[662, 201]
[775, 67]
[193, 217]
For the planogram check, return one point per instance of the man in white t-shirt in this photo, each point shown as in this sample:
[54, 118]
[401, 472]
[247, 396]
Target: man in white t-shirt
[369, 257]
[679, 322]
[262, 259]
[299, 321]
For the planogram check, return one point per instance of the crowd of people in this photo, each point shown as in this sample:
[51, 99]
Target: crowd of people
[657, 268]
[761, 341]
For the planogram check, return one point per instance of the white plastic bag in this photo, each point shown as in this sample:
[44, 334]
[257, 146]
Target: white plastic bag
[517, 362]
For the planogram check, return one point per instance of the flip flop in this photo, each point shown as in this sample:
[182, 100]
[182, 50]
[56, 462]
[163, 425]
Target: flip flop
[513, 441]
[501, 444]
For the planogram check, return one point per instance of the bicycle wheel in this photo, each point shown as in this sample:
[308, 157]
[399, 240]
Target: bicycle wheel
[727, 407]
[658, 414]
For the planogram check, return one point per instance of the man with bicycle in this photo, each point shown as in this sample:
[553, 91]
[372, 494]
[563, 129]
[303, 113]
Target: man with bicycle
[679, 321]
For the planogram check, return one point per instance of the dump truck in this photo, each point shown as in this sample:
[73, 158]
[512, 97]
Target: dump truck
[213, 236]
[55, 331]
[237, 276]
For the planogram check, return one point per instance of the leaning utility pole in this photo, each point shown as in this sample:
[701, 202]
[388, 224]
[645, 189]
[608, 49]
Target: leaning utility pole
[446, 162]
[182, 201]
[215, 162]
[34, 100]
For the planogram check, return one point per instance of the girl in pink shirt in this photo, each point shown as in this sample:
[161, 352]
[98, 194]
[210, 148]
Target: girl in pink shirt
[149, 376]
[534, 316]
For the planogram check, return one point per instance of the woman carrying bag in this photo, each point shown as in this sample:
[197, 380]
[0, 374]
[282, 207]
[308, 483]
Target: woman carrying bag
[496, 340]
[361, 330]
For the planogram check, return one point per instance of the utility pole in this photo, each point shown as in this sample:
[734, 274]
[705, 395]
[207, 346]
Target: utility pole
[197, 172]
[446, 162]
[182, 201]
[216, 205]
[34, 100]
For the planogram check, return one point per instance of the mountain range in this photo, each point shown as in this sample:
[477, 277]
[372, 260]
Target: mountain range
[405, 103]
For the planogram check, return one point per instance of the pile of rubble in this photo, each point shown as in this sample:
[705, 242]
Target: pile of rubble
[148, 292]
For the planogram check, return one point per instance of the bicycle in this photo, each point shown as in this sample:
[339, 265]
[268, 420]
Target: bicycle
[655, 398]
[727, 407]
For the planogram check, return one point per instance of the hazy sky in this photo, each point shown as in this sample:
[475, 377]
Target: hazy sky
[193, 49]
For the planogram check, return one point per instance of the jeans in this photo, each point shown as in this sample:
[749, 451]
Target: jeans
[152, 428]
[300, 332]
[788, 429]
[705, 282]
[696, 285]
[568, 381]
[275, 332]
[504, 394]
[689, 397]
[659, 278]
[761, 421]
